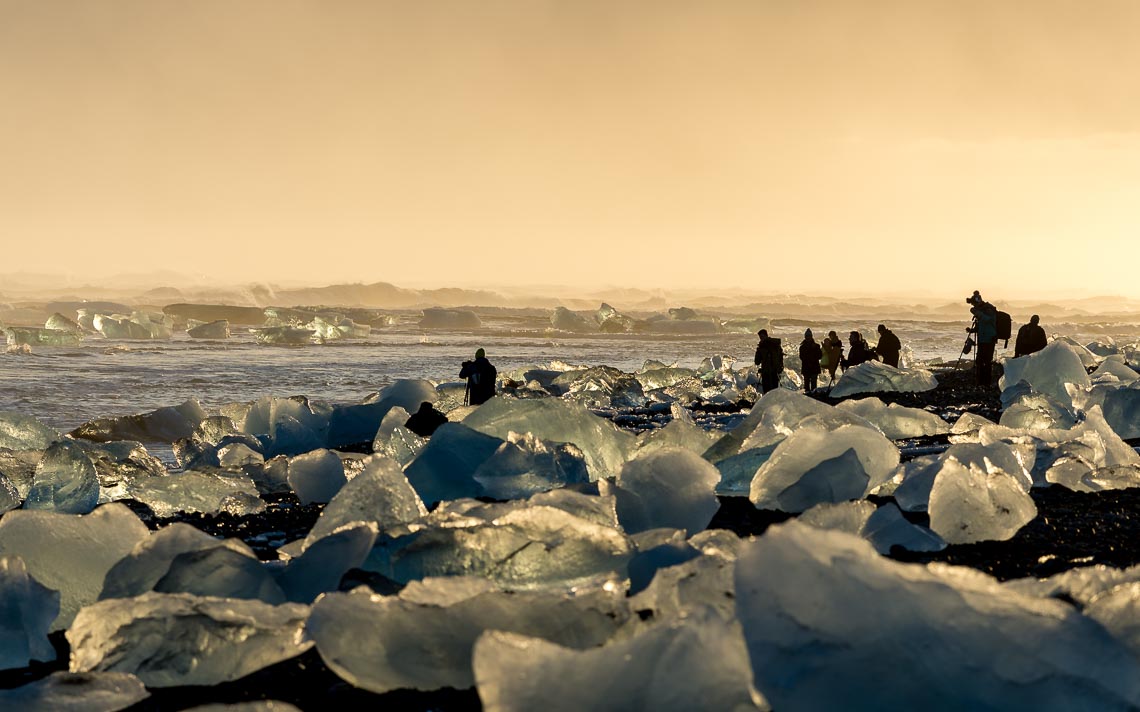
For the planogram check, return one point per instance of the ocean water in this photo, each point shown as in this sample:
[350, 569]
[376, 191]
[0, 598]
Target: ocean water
[67, 386]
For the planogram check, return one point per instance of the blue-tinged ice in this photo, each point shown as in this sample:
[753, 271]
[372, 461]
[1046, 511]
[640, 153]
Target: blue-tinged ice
[65, 481]
[28, 609]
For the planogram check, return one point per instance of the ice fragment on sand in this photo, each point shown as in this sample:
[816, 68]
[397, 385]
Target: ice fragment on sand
[968, 504]
[1081, 584]
[170, 639]
[877, 377]
[423, 638]
[887, 528]
[163, 425]
[27, 610]
[1122, 411]
[380, 494]
[76, 692]
[71, 553]
[446, 467]
[1118, 610]
[698, 663]
[519, 544]
[837, 612]
[525, 465]
[316, 476]
[322, 565]
[897, 422]
[194, 491]
[680, 432]
[394, 440]
[23, 432]
[669, 487]
[1048, 371]
[918, 475]
[603, 444]
[815, 465]
[149, 561]
[65, 481]
[222, 572]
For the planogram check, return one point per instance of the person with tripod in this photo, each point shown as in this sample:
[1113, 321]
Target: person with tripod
[480, 375]
[984, 329]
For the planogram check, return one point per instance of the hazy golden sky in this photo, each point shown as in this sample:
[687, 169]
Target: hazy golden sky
[823, 146]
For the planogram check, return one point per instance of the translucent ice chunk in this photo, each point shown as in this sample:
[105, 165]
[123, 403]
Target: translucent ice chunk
[446, 467]
[913, 494]
[65, 481]
[316, 476]
[192, 491]
[28, 611]
[71, 553]
[897, 422]
[848, 517]
[1083, 584]
[565, 320]
[34, 336]
[76, 692]
[150, 560]
[820, 458]
[525, 465]
[1122, 411]
[969, 505]
[600, 387]
[680, 432]
[1048, 371]
[519, 545]
[9, 494]
[423, 638]
[703, 582]
[396, 441]
[23, 432]
[1116, 368]
[437, 318]
[605, 447]
[669, 487]
[19, 468]
[285, 426]
[878, 377]
[163, 425]
[1036, 411]
[838, 611]
[58, 322]
[219, 329]
[887, 528]
[1118, 611]
[380, 494]
[968, 427]
[170, 639]
[322, 565]
[698, 663]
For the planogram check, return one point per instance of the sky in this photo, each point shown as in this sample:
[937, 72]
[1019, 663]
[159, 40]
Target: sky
[822, 146]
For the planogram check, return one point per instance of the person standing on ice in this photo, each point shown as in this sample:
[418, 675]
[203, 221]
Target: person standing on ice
[770, 359]
[832, 354]
[1030, 338]
[810, 355]
[985, 329]
[480, 375]
[888, 346]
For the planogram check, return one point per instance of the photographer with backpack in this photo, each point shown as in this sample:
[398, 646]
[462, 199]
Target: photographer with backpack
[986, 330]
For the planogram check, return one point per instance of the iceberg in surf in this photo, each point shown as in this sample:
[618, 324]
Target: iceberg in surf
[437, 318]
[219, 329]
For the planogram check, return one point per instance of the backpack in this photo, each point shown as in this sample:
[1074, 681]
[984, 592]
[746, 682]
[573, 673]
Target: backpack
[1004, 326]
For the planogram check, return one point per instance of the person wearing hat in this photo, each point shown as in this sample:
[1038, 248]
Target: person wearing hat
[480, 375]
[810, 355]
[770, 359]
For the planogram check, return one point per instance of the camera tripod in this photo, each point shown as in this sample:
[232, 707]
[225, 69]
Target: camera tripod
[970, 343]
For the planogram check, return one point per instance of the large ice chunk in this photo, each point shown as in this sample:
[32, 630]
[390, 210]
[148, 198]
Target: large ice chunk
[680, 432]
[65, 481]
[219, 329]
[23, 432]
[423, 638]
[380, 494]
[565, 320]
[58, 322]
[968, 504]
[605, 447]
[28, 610]
[166, 425]
[316, 476]
[170, 639]
[822, 630]
[1118, 610]
[699, 663]
[877, 377]
[352, 424]
[669, 487]
[71, 553]
[438, 318]
[600, 387]
[1034, 411]
[519, 544]
[76, 692]
[445, 468]
[394, 440]
[282, 336]
[151, 558]
[917, 476]
[322, 565]
[34, 336]
[815, 465]
[1048, 371]
[1122, 411]
[525, 465]
[284, 426]
[194, 491]
[897, 422]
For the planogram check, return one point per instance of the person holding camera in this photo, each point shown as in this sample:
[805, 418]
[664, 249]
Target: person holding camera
[480, 375]
[770, 358]
[984, 329]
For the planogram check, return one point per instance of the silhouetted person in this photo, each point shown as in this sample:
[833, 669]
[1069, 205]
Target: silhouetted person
[480, 375]
[832, 354]
[860, 352]
[985, 331]
[425, 420]
[770, 359]
[810, 355]
[1030, 338]
[888, 347]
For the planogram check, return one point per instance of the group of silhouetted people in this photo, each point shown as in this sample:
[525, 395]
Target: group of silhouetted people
[816, 357]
